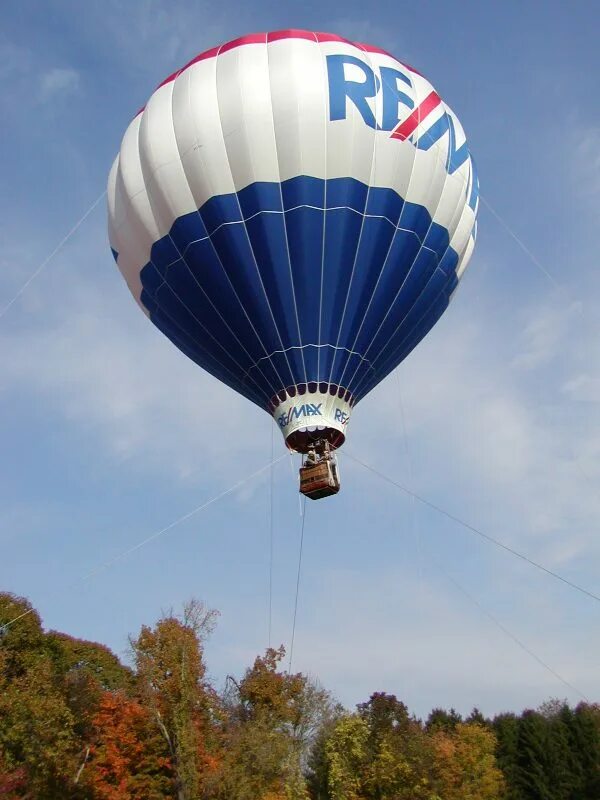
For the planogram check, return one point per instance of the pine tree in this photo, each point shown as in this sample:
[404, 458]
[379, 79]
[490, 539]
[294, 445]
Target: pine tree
[586, 743]
[506, 728]
[532, 773]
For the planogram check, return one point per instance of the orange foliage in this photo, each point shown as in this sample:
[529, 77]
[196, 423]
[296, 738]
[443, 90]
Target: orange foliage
[128, 757]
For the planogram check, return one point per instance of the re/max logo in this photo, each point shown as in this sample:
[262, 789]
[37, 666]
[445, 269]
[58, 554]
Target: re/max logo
[350, 79]
[296, 412]
[341, 416]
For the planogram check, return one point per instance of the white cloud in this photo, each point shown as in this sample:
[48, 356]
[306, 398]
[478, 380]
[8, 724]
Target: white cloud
[422, 639]
[29, 80]
[509, 444]
[116, 377]
[586, 159]
[58, 81]
[545, 333]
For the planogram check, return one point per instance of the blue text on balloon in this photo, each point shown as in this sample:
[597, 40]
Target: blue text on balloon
[343, 88]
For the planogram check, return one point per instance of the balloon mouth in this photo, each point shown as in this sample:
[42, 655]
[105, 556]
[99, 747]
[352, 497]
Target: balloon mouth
[301, 441]
[310, 413]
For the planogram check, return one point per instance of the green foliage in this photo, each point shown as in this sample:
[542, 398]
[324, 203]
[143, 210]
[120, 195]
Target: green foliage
[22, 642]
[271, 721]
[76, 724]
[506, 728]
[439, 718]
[346, 752]
[37, 730]
[170, 674]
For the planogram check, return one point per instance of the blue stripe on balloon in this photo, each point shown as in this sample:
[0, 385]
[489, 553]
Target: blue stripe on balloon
[237, 284]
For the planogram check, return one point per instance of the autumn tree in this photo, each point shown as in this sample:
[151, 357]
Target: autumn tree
[37, 729]
[398, 750]
[465, 765]
[379, 753]
[171, 679]
[87, 670]
[129, 758]
[272, 718]
[13, 781]
[346, 758]
[22, 642]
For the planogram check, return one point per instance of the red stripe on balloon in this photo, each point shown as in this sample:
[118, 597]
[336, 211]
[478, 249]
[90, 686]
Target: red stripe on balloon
[410, 124]
[252, 38]
[276, 36]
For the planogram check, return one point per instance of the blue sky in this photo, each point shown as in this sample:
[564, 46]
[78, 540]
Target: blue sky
[109, 434]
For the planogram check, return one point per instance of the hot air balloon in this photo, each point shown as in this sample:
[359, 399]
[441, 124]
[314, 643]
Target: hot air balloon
[294, 211]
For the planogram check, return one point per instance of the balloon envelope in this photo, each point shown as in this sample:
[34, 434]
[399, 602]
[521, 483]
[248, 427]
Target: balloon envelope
[294, 211]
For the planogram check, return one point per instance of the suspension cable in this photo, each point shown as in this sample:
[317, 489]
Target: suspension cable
[57, 249]
[504, 629]
[271, 482]
[124, 553]
[297, 586]
[474, 600]
[477, 531]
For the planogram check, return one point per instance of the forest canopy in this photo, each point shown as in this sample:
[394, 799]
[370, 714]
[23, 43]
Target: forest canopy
[78, 724]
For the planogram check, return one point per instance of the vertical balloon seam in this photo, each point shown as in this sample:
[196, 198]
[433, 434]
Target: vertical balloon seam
[324, 235]
[229, 281]
[283, 210]
[448, 248]
[390, 357]
[385, 260]
[421, 293]
[410, 269]
[225, 272]
[247, 315]
[362, 225]
[133, 217]
[184, 254]
[389, 250]
[264, 44]
[164, 277]
[323, 63]
[249, 241]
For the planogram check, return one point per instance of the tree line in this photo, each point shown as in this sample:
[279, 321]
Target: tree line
[78, 724]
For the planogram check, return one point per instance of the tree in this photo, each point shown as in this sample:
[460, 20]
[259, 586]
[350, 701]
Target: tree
[37, 732]
[532, 763]
[13, 781]
[379, 753]
[477, 716]
[271, 721]
[440, 718]
[22, 642]
[86, 670]
[129, 759]
[346, 755]
[506, 728]
[564, 771]
[398, 750]
[465, 763]
[585, 727]
[171, 677]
